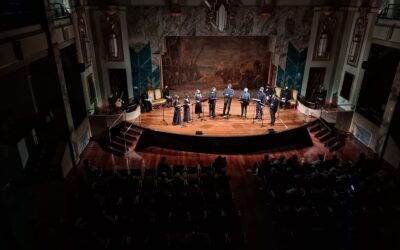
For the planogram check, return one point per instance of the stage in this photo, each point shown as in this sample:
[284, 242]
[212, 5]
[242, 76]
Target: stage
[222, 127]
[221, 135]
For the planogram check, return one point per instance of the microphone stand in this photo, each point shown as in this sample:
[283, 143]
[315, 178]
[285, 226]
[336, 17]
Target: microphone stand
[262, 119]
[202, 111]
[163, 122]
[280, 118]
[193, 106]
[255, 112]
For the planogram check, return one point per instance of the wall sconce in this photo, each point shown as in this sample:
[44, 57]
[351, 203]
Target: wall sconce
[357, 40]
[112, 36]
[112, 43]
[323, 43]
[85, 42]
[355, 43]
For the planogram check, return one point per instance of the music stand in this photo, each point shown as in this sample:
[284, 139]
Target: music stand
[163, 122]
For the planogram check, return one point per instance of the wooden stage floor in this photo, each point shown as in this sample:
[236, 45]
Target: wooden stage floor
[219, 126]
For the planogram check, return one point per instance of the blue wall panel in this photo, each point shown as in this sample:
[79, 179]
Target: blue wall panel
[292, 76]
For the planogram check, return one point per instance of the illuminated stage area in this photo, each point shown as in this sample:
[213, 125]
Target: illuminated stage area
[222, 135]
[222, 127]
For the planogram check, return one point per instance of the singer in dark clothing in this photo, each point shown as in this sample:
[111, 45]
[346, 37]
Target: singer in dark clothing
[186, 109]
[228, 94]
[212, 99]
[261, 97]
[273, 107]
[244, 102]
[177, 111]
[286, 96]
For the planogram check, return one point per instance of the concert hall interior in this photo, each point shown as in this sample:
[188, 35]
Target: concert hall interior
[200, 124]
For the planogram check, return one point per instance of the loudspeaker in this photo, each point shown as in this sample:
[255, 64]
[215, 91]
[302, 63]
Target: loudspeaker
[79, 67]
[199, 132]
[271, 131]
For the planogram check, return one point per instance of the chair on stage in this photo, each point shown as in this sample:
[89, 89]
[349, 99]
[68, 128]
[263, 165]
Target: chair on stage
[155, 96]
[278, 92]
[293, 101]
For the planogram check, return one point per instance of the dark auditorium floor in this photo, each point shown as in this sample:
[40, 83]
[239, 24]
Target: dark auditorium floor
[264, 226]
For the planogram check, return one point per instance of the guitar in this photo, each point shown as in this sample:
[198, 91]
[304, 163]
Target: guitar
[119, 101]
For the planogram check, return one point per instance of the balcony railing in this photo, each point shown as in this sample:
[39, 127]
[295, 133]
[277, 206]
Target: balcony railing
[390, 11]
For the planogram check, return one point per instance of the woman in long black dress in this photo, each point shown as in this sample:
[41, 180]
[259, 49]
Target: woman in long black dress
[177, 111]
[186, 109]
[197, 108]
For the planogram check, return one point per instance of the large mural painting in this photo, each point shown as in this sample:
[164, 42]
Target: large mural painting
[154, 36]
[192, 63]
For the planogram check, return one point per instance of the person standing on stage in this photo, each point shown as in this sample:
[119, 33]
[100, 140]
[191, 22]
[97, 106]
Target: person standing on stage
[244, 102]
[273, 107]
[212, 100]
[261, 98]
[228, 94]
[197, 108]
[177, 111]
[268, 92]
[186, 109]
[144, 97]
[167, 96]
[286, 96]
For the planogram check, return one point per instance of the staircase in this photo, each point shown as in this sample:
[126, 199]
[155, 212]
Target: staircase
[124, 138]
[326, 134]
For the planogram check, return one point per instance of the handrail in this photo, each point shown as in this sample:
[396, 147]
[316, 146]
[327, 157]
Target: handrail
[325, 125]
[126, 131]
[114, 124]
[395, 11]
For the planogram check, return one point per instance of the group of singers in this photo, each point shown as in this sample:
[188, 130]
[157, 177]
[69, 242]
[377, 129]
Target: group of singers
[265, 96]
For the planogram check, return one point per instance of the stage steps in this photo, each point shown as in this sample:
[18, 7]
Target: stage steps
[326, 134]
[124, 138]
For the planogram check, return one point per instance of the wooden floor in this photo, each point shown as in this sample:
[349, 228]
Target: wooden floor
[258, 218]
[219, 126]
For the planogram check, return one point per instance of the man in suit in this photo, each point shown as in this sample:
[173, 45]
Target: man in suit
[261, 97]
[212, 100]
[286, 96]
[244, 102]
[228, 94]
[273, 107]
[268, 92]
